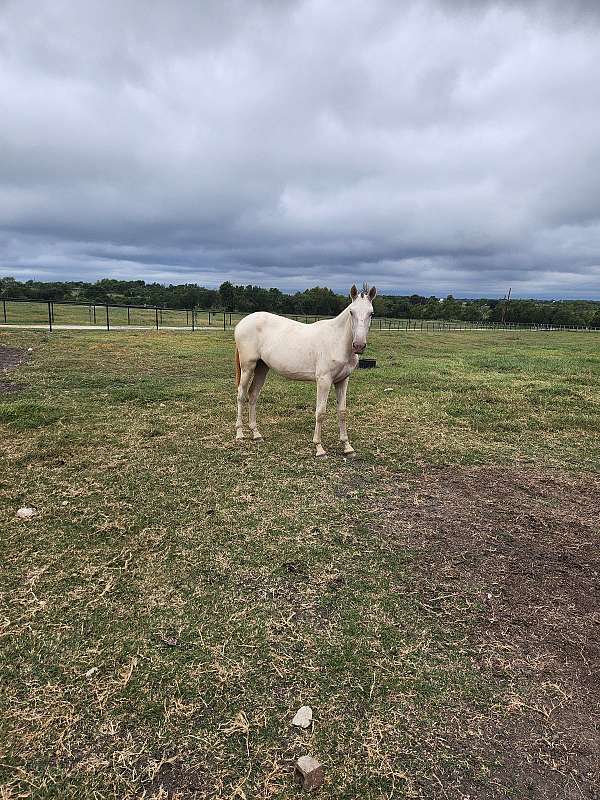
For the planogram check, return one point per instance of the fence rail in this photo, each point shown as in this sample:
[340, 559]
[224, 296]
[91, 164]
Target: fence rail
[109, 316]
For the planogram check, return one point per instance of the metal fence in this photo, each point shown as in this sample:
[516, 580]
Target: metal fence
[50, 314]
[425, 325]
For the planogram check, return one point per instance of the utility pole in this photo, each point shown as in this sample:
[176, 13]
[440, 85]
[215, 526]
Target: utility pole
[505, 305]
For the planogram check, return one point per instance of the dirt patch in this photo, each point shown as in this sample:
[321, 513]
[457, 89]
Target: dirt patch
[10, 358]
[523, 548]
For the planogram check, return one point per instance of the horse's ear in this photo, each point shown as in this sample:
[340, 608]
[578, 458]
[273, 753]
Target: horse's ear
[353, 292]
[372, 293]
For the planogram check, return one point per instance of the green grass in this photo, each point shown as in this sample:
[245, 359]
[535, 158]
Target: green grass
[215, 588]
[32, 313]
[36, 313]
[26, 414]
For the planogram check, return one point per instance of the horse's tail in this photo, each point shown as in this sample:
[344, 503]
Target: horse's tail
[238, 369]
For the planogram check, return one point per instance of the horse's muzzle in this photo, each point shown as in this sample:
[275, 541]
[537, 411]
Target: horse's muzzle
[358, 348]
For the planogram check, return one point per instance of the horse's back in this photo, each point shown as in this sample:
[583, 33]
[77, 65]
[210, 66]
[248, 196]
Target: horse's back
[263, 322]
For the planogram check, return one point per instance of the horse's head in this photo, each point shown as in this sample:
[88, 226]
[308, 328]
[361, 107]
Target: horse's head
[361, 312]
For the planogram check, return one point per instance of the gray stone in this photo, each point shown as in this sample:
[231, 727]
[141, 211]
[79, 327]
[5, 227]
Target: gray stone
[303, 717]
[310, 773]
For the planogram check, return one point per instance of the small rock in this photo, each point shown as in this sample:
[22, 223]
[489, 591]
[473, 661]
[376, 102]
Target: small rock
[303, 717]
[26, 513]
[310, 773]
[65, 503]
[91, 672]
[30, 349]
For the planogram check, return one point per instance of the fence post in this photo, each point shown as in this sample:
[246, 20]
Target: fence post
[156, 316]
[49, 317]
[94, 313]
[224, 314]
[128, 317]
[4, 304]
[107, 320]
[192, 320]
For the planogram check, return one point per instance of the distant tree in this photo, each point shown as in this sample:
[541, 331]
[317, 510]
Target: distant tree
[227, 296]
[450, 308]
[320, 301]
[95, 293]
[594, 321]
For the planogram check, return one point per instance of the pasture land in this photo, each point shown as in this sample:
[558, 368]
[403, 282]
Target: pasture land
[36, 313]
[16, 313]
[178, 597]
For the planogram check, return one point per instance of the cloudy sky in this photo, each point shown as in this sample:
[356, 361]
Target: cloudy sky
[428, 146]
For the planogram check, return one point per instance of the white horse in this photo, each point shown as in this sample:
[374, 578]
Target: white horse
[324, 352]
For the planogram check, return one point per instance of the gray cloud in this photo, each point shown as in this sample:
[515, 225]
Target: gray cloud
[427, 146]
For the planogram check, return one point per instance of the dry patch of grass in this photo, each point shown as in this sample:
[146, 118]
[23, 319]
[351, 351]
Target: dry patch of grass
[521, 549]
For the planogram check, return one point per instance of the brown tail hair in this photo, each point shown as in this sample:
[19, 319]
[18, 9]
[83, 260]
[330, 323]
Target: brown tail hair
[238, 369]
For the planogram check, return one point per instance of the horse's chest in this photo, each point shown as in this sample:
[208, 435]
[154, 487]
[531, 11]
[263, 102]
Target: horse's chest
[344, 368]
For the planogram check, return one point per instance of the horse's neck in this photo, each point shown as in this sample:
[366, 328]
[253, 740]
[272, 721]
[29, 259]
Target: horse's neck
[342, 326]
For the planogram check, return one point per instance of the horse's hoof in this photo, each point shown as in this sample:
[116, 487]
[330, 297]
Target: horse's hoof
[350, 454]
[239, 437]
[320, 452]
[258, 437]
[321, 456]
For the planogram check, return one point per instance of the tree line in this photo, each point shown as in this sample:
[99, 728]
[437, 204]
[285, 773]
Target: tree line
[316, 301]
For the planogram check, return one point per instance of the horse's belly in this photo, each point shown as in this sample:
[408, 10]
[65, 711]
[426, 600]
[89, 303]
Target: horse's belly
[295, 372]
[294, 364]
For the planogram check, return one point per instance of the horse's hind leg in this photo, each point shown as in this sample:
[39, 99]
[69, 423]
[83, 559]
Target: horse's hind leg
[260, 376]
[323, 387]
[247, 373]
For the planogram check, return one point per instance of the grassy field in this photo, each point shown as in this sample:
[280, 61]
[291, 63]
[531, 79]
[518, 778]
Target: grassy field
[31, 313]
[178, 597]
[35, 313]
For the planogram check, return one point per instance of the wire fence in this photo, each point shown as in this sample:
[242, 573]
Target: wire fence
[425, 325]
[53, 314]
[50, 314]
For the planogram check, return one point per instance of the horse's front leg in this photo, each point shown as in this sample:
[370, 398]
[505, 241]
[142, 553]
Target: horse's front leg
[340, 393]
[323, 387]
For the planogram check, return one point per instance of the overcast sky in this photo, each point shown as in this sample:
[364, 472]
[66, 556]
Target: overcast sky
[427, 147]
